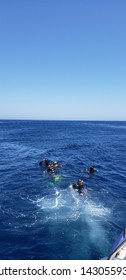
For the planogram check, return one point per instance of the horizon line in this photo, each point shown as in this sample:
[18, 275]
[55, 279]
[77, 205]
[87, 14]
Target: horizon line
[67, 120]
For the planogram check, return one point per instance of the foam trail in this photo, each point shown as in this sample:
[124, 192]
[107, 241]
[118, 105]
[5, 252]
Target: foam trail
[94, 217]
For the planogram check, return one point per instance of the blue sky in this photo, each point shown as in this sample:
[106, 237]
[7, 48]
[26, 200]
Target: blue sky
[63, 59]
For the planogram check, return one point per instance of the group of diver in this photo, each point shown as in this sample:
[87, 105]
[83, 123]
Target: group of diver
[52, 167]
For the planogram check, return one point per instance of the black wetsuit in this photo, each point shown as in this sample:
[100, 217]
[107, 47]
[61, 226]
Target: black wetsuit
[44, 162]
[78, 187]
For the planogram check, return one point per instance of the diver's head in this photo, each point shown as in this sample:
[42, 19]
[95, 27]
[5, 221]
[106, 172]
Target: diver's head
[80, 182]
[55, 163]
[91, 168]
[50, 168]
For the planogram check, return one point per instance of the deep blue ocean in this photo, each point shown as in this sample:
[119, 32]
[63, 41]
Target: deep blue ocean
[41, 218]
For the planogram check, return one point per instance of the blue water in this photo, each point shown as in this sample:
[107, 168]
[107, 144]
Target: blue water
[40, 216]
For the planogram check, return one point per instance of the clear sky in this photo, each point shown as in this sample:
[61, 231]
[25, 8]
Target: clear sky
[63, 59]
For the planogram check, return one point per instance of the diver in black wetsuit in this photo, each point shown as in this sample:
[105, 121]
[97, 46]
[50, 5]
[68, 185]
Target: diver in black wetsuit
[91, 169]
[79, 186]
[44, 162]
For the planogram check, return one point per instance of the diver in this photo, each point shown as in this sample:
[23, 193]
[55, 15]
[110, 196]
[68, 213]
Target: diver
[45, 162]
[56, 164]
[50, 168]
[79, 186]
[91, 169]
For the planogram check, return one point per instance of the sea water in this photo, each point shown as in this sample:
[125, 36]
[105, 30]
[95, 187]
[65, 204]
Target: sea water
[41, 217]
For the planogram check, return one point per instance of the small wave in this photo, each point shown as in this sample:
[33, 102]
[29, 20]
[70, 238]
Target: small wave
[117, 124]
[73, 146]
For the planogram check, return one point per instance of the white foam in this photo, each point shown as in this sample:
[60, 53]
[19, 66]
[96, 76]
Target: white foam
[68, 204]
[98, 210]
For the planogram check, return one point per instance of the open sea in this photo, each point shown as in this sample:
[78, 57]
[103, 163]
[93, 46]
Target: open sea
[41, 217]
